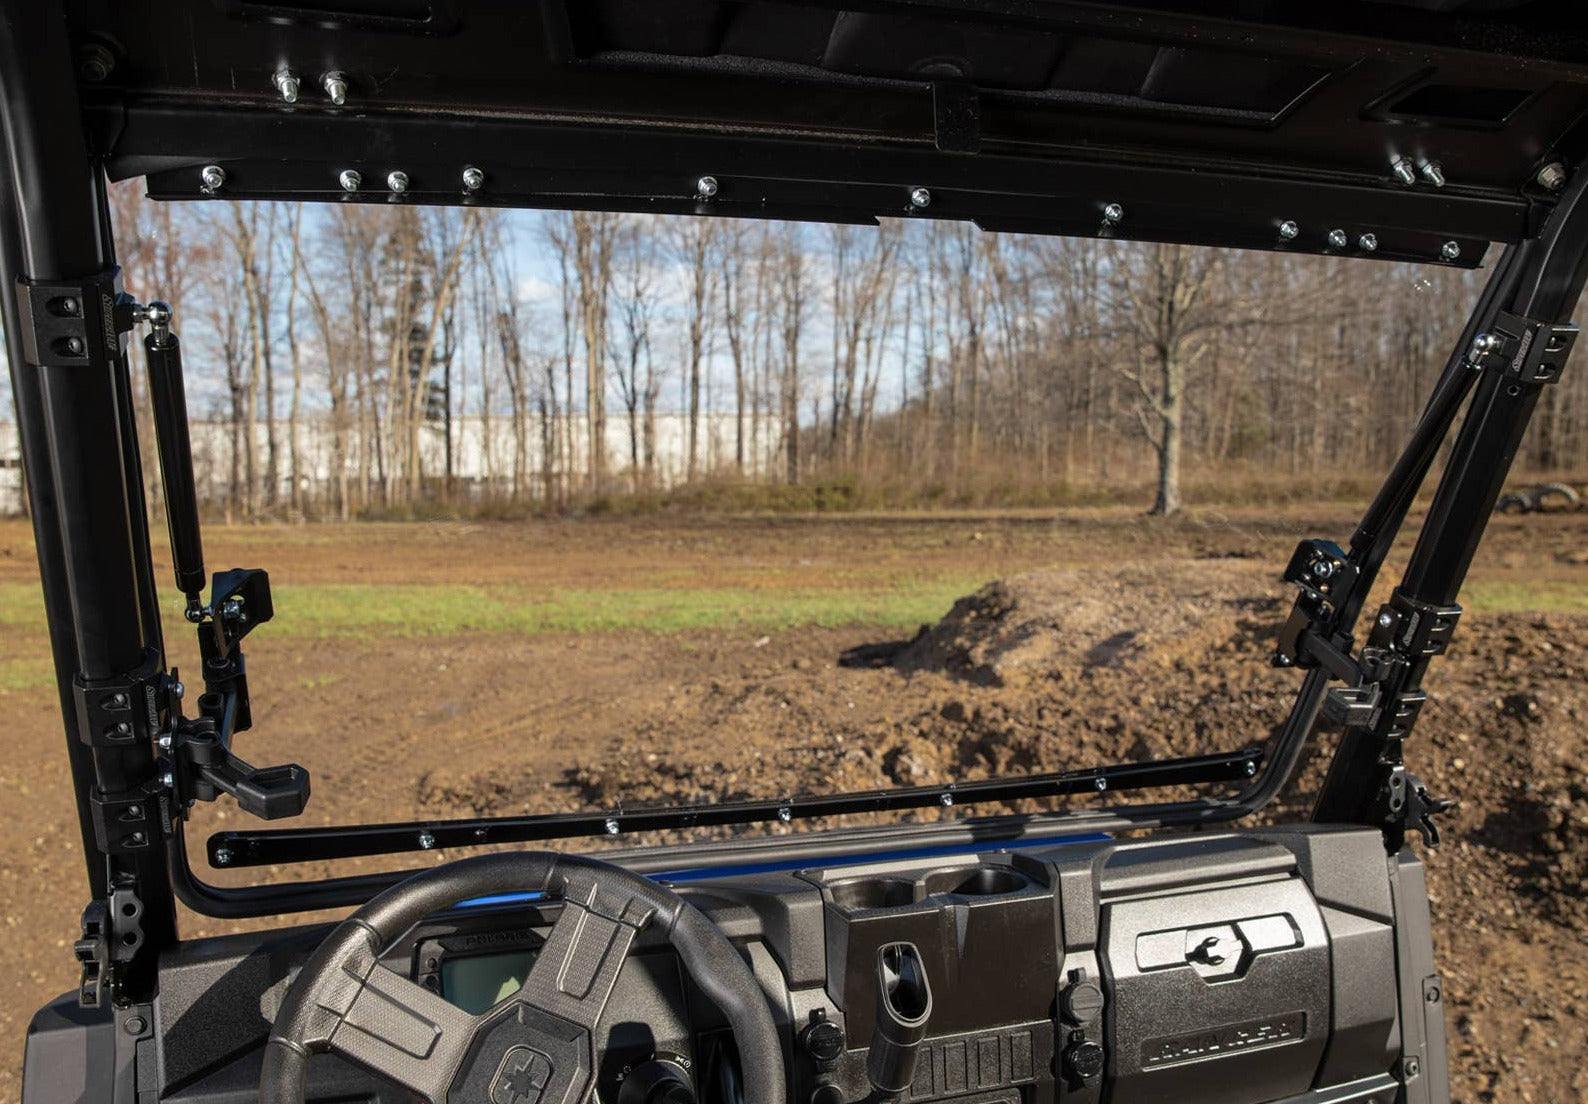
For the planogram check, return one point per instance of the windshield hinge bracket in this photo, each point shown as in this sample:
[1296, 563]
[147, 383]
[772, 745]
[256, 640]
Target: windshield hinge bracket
[1405, 805]
[112, 933]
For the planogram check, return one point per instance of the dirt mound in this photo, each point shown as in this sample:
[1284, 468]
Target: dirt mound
[1034, 625]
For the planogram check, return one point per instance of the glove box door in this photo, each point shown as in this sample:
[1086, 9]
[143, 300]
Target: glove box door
[1215, 995]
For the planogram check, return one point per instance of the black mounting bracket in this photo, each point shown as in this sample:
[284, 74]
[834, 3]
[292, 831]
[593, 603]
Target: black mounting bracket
[1531, 350]
[1403, 804]
[201, 763]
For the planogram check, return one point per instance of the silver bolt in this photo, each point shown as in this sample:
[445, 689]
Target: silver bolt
[1432, 995]
[612, 826]
[178, 691]
[351, 180]
[1101, 784]
[286, 83]
[947, 800]
[397, 181]
[335, 85]
[1113, 213]
[1434, 173]
[212, 177]
[74, 345]
[785, 814]
[118, 701]
[168, 780]
[1403, 171]
[1367, 242]
[473, 179]
[706, 187]
[223, 856]
[69, 306]
[1385, 620]
[1323, 569]
[1484, 344]
[1450, 251]
[1411, 1067]
[1289, 230]
[1552, 176]
[1338, 239]
[920, 198]
[1250, 767]
[427, 840]
[163, 741]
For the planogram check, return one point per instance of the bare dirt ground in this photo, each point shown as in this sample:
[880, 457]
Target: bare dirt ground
[1068, 661]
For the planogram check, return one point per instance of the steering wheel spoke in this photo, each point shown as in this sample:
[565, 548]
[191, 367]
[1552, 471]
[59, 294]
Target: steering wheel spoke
[573, 975]
[405, 1033]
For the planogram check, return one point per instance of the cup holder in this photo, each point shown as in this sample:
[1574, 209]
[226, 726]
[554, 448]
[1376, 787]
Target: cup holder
[859, 894]
[975, 881]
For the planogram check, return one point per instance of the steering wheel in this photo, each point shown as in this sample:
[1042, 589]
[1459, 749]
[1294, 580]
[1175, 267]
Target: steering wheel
[537, 1046]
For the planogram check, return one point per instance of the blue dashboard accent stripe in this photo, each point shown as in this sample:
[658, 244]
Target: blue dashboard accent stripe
[783, 866]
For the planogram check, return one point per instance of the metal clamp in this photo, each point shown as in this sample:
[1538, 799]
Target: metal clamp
[1528, 349]
[69, 324]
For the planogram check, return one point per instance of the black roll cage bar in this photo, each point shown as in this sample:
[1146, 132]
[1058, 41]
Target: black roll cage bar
[82, 461]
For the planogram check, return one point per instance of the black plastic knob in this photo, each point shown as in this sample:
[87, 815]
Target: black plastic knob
[1081, 1003]
[657, 1081]
[827, 1093]
[823, 1041]
[1084, 1059]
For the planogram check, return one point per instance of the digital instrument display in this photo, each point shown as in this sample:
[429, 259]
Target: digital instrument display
[476, 982]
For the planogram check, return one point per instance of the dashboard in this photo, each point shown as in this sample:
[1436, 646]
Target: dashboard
[1269, 965]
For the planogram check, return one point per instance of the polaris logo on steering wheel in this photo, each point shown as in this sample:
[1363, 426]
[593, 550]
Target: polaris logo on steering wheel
[522, 1076]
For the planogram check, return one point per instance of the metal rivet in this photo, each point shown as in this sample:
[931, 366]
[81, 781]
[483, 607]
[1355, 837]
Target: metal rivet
[920, 198]
[1113, 213]
[351, 180]
[212, 177]
[335, 85]
[1289, 230]
[1101, 784]
[286, 83]
[1367, 242]
[612, 826]
[1552, 176]
[1450, 251]
[473, 179]
[1338, 238]
[1434, 173]
[1403, 171]
[706, 187]
[223, 856]
[785, 814]
[397, 181]
[427, 840]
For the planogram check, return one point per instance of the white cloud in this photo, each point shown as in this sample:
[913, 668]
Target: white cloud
[532, 289]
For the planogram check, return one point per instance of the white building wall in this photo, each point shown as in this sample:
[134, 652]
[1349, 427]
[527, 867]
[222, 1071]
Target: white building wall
[482, 458]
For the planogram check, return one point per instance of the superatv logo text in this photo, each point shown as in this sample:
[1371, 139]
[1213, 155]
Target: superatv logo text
[1214, 1041]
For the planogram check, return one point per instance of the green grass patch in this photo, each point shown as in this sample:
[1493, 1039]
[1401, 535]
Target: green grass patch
[26, 675]
[355, 611]
[323, 612]
[1522, 596]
